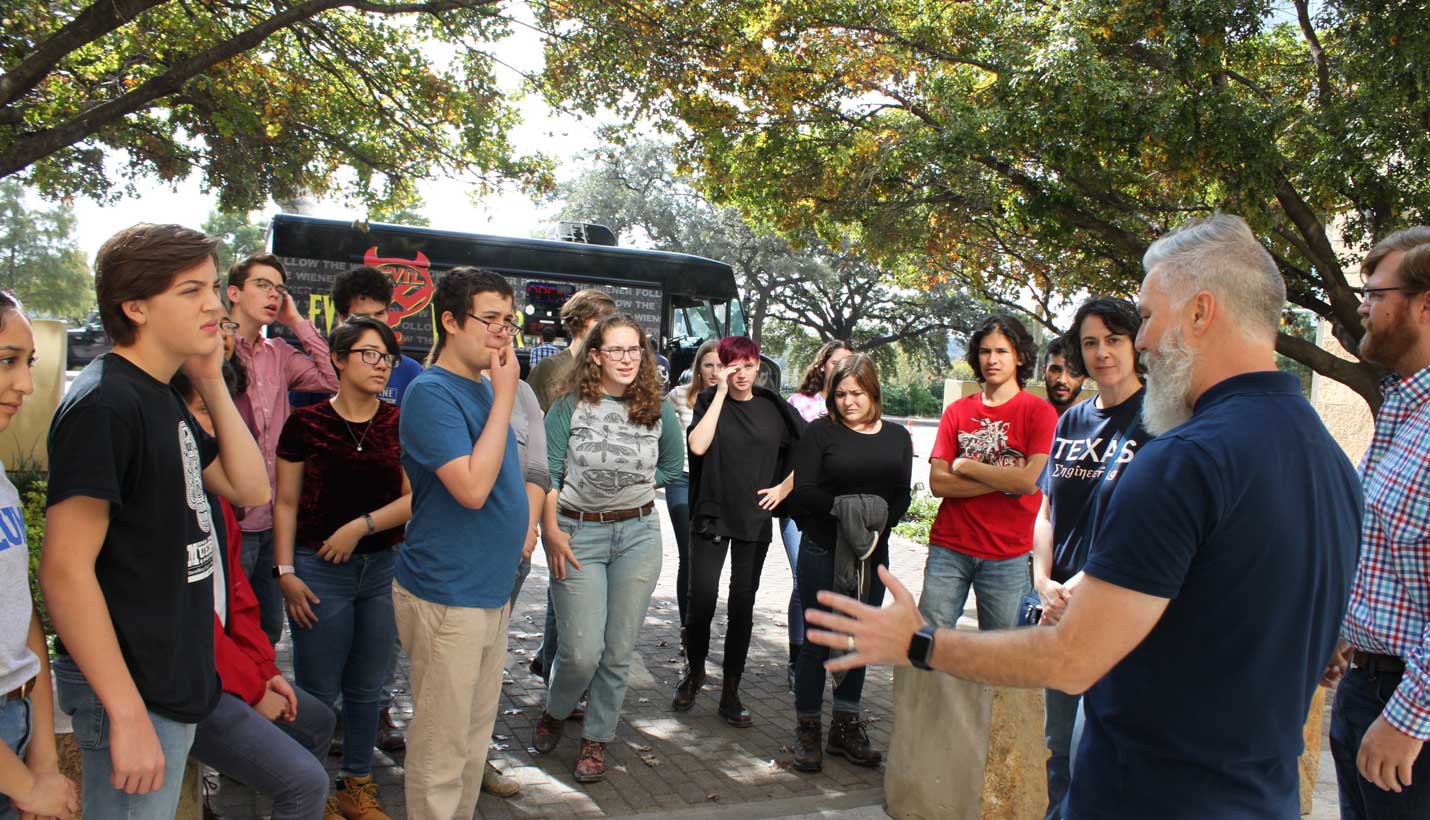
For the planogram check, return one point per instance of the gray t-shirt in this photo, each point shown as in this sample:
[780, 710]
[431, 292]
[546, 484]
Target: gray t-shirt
[601, 461]
[17, 663]
[527, 424]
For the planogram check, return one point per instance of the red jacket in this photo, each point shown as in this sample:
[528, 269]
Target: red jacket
[242, 652]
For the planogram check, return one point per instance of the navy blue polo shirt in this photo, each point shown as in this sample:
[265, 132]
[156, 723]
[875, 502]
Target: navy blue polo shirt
[1247, 517]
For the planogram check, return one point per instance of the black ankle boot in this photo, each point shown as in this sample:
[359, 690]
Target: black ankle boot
[848, 739]
[689, 686]
[731, 710]
[808, 757]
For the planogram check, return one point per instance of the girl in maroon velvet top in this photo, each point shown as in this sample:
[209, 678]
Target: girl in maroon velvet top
[341, 505]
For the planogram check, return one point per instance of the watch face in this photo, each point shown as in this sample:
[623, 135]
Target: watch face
[920, 648]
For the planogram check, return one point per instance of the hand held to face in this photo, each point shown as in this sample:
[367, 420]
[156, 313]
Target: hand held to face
[505, 371]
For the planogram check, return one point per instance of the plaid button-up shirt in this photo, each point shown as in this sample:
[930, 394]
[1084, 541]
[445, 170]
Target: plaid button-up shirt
[1390, 606]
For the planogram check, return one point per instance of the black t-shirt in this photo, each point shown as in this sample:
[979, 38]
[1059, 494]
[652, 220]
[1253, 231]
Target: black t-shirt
[831, 460]
[1089, 441]
[124, 437]
[751, 434]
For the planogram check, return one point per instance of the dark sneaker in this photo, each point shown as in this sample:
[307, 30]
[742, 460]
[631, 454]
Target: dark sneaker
[547, 734]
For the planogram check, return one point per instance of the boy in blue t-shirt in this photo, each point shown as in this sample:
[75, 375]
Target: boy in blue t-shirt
[469, 524]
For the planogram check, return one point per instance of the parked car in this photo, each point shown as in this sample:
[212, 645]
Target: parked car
[86, 342]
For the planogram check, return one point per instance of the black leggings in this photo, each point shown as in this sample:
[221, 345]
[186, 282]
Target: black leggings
[707, 559]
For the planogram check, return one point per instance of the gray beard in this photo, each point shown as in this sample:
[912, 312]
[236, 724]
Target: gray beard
[1169, 380]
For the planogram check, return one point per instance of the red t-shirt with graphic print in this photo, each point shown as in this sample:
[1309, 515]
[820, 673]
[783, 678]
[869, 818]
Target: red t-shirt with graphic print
[994, 525]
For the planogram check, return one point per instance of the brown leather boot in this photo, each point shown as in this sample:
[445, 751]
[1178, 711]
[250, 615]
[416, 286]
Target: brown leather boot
[808, 757]
[848, 739]
[390, 737]
[731, 709]
[689, 686]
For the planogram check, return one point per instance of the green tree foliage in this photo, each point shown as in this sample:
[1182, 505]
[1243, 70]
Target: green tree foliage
[237, 235]
[40, 259]
[1043, 145]
[262, 100]
[636, 190]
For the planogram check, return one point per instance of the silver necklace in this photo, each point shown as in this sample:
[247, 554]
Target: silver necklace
[356, 440]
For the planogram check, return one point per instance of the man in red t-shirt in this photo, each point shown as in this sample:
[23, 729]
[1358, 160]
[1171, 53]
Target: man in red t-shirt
[990, 450]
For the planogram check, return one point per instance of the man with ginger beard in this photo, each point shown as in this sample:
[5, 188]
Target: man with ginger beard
[1212, 595]
[1381, 718]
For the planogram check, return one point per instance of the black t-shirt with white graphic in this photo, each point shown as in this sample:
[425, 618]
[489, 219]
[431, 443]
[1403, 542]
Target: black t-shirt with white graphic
[1088, 442]
[124, 437]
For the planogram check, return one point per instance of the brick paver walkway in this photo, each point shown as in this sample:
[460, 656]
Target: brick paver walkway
[661, 760]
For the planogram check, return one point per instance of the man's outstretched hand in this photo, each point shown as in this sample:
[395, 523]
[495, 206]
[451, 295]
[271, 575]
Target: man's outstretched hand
[881, 636]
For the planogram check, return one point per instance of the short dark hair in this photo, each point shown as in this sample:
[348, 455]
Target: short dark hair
[238, 271]
[140, 262]
[1120, 316]
[347, 334]
[549, 333]
[1059, 347]
[454, 294]
[861, 368]
[583, 308]
[1013, 331]
[1414, 267]
[361, 282]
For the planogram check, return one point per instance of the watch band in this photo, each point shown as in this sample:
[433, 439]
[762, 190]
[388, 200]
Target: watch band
[282, 569]
[371, 525]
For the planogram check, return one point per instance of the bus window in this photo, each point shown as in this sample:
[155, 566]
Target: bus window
[703, 322]
[737, 319]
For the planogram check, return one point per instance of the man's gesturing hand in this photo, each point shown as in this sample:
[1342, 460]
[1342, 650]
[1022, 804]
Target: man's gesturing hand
[881, 636]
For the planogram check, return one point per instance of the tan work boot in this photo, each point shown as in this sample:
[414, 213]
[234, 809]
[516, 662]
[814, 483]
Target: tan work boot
[331, 810]
[494, 782]
[357, 799]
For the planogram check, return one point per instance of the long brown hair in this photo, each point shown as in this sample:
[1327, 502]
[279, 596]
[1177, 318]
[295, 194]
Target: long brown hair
[813, 383]
[643, 398]
[697, 376]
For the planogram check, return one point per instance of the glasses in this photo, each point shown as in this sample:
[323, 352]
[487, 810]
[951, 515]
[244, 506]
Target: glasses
[265, 286]
[620, 354]
[228, 326]
[1373, 295]
[371, 355]
[497, 327]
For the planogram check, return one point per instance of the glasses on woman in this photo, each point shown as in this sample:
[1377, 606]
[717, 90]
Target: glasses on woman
[620, 354]
[228, 326]
[498, 326]
[371, 355]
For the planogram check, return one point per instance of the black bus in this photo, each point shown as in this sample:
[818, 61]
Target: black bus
[681, 300]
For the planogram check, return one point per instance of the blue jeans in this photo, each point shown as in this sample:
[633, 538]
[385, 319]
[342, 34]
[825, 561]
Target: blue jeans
[348, 649]
[550, 640]
[998, 584]
[522, 570]
[790, 535]
[601, 608]
[16, 725]
[1062, 729]
[677, 505]
[816, 573]
[91, 734]
[280, 760]
[1360, 699]
[258, 562]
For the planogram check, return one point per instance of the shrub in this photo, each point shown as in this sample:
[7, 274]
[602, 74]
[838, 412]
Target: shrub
[33, 501]
[918, 520]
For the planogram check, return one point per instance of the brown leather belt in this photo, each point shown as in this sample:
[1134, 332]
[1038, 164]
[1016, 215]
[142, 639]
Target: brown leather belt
[21, 691]
[1377, 664]
[610, 516]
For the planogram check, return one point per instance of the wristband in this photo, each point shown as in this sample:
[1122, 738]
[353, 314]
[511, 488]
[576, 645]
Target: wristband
[371, 525]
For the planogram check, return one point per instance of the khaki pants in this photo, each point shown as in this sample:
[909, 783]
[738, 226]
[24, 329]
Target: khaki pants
[457, 654]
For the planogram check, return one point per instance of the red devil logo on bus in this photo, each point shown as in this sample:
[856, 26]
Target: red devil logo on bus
[411, 283]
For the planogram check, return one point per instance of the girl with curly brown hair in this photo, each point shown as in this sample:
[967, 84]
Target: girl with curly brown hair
[611, 440]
